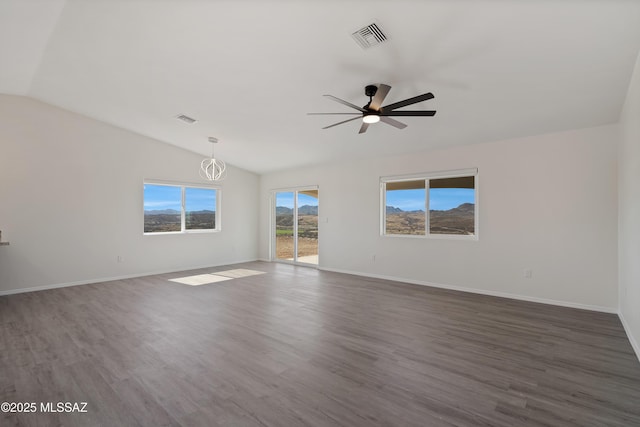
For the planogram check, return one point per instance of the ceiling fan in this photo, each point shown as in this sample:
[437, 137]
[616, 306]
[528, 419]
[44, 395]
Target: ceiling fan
[374, 112]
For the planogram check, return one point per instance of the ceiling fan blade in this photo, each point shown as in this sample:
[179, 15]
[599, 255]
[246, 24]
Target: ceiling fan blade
[381, 93]
[348, 104]
[364, 127]
[329, 114]
[415, 99]
[392, 122]
[339, 123]
[408, 113]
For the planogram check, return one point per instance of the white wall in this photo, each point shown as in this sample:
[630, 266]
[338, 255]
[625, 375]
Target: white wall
[71, 201]
[546, 203]
[629, 212]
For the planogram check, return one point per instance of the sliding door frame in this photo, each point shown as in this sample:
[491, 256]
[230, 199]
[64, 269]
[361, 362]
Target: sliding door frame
[272, 224]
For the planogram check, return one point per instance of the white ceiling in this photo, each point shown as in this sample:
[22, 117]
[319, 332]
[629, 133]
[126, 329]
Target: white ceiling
[250, 70]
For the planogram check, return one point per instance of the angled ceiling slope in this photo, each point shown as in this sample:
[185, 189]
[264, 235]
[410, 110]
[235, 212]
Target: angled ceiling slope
[249, 70]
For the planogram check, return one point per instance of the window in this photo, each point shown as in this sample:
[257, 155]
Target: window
[405, 207]
[437, 204]
[178, 208]
[200, 208]
[452, 203]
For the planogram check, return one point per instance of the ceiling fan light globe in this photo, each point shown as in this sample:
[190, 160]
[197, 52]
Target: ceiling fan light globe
[371, 118]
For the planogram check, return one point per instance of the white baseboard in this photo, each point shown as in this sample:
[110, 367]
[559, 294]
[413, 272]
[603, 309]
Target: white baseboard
[632, 340]
[612, 310]
[110, 279]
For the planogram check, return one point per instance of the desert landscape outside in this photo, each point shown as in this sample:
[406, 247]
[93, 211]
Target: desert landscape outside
[456, 221]
[169, 220]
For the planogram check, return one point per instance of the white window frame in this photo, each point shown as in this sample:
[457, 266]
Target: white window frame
[458, 173]
[183, 186]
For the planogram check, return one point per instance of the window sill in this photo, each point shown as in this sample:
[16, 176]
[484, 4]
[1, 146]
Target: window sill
[473, 238]
[165, 233]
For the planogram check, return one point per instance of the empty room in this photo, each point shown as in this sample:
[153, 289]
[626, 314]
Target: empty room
[320, 213]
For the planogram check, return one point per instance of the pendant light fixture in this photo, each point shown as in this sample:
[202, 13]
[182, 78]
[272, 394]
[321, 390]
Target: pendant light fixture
[213, 169]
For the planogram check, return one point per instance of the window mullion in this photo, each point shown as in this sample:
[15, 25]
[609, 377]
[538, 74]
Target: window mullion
[383, 196]
[183, 220]
[295, 226]
[427, 217]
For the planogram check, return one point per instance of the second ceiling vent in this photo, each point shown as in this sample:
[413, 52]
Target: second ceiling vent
[186, 119]
[369, 36]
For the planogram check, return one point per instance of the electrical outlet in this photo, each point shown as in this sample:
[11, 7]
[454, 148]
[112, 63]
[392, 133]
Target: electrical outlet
[120, 258]
[527, 273]
[373, 258]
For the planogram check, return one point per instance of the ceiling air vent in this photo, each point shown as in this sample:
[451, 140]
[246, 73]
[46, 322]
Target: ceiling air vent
[186, 119]
[369, 36]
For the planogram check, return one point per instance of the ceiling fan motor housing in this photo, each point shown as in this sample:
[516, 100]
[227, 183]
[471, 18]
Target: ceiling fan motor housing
[370, 90]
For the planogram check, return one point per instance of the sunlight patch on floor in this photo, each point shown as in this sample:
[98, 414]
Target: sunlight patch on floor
[218, 276]
[200, 279]
[238, 273]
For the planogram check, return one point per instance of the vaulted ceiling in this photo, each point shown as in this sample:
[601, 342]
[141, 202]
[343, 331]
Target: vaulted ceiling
[250, 70]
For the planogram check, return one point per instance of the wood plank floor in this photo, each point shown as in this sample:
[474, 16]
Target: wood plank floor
[301, 347]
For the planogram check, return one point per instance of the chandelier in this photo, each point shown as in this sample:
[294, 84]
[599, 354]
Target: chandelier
[213, 169]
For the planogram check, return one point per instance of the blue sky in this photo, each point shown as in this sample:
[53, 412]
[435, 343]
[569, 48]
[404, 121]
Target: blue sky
[304, 199]
[160, 197]
[407, 200]
[441, 199]
[198, 199]
[286, 199]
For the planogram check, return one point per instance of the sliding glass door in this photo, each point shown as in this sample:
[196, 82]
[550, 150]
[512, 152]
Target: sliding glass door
[284, 228]
[295, 229]
[307, 220]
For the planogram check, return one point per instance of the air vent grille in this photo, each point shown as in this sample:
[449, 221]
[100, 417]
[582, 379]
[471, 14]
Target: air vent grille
[186, 119]
[369, 36]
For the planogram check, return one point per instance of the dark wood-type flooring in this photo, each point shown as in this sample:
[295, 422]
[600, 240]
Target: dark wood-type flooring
[302, 347]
